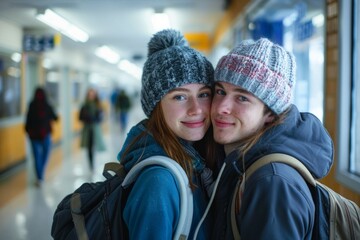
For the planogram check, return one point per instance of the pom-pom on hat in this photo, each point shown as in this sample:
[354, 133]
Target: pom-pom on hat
[263, 68]
[171, 63]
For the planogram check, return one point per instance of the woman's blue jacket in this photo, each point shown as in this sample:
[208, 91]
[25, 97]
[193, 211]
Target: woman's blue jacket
[152, 208]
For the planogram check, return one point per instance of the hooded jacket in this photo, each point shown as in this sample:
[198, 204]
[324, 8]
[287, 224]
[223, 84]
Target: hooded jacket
[153, 206]
[276, 202]
[39, 117]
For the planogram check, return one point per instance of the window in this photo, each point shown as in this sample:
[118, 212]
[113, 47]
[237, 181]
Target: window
[299, 27]
[52, 86]
[349, 95]
[10, 85]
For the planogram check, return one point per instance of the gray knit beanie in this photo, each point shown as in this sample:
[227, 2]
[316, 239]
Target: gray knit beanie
[171, 63]
[263, 68]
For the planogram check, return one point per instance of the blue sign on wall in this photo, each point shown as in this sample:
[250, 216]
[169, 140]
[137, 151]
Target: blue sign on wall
[304, 30]
[33, 43]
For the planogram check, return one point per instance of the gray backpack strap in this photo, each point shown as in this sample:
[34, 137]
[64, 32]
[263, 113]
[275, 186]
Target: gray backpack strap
[282, 158]
[114, 167]
[274, 157]
[78, 217]
[186, 195]
[235, 230]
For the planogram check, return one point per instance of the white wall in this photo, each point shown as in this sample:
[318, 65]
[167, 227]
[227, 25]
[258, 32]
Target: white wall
[10, 37]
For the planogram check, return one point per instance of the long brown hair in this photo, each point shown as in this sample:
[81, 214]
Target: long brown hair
[252, 140]
[167, 139]
[96, 97]
[211, 151]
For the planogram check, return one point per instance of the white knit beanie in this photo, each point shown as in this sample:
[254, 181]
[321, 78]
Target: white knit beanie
[263, 68]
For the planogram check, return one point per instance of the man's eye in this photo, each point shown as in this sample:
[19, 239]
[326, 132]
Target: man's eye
[220, 92]
[243, 99]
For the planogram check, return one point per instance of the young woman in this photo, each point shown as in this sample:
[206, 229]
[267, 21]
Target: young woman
[91, 114]
[176, 97]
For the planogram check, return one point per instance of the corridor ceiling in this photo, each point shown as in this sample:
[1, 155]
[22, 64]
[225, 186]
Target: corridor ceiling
[123, 25]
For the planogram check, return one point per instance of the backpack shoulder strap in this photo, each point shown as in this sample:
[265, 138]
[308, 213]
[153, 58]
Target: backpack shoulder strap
[78, 218]
[186, 196]
[282, 158]
[274, 157]
[114, 167]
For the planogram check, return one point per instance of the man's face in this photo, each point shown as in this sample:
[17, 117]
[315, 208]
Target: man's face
[236, 114]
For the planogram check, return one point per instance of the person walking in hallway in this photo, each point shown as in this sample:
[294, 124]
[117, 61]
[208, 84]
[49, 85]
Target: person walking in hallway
[91, 115]
[252, 116]
[123, 105]
[39, 118]
[176, 97]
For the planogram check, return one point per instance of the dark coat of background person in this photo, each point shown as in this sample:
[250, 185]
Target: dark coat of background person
[122, 106]
[38, 127]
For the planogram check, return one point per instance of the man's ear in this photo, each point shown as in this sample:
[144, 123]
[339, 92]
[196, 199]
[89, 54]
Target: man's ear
[269, 117]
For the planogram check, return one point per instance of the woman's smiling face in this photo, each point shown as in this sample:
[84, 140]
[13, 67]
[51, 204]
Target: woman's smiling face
[187, 111]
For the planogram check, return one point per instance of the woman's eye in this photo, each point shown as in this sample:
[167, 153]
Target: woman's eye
[220, 92]
[179, 97]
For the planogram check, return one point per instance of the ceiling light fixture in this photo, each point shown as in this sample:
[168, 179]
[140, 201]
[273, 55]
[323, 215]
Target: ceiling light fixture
[107, 54]
[16, 57]
[160, 20]
[130, 68]
[62, 25]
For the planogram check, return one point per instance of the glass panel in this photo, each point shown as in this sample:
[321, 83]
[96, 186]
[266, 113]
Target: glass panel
[299, 27]
[348, 169]
[10, 85]
[355, 158]
[75, 78]
[52, 86]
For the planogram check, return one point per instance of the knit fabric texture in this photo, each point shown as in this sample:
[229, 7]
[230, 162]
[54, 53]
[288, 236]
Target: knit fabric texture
[171, 63]
[262, 68]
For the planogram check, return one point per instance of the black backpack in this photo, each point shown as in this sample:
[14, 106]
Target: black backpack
[335, 216]
[94, 210]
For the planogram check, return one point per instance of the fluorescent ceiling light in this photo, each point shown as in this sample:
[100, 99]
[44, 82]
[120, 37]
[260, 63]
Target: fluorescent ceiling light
[16, 57]
[47, 63]
[318, 21]
[107, 54]
[62, 25]
[160, 21]
[130, 68]
[289, 20]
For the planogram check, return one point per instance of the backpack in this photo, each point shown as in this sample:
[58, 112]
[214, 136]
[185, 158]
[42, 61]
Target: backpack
[94, 210]
[335, 216]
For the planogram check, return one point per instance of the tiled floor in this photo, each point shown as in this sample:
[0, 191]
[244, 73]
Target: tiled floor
[28, 210]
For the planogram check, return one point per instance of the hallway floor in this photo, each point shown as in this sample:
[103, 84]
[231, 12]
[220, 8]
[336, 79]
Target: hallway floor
[27, 211]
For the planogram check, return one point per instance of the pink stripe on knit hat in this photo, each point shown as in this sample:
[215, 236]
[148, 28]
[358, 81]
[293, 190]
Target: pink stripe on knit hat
[263, 68]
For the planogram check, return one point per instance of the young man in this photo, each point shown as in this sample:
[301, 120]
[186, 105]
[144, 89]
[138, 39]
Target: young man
[252, 116]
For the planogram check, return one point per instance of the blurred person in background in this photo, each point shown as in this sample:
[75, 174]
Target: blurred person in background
[123, 105]
[91, 115]
[38, 127]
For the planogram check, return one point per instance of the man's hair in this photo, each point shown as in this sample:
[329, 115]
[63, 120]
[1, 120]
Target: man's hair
[252, 140]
